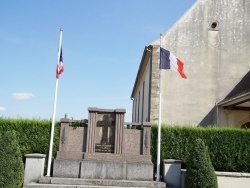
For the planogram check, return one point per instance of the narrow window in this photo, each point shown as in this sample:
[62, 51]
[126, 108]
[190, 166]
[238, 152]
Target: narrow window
[139, 100]
[142, 106]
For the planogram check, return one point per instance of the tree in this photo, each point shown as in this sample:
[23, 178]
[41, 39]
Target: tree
[200, 171]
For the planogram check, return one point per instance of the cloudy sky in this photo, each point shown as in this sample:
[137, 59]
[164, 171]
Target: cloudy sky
[103, 42]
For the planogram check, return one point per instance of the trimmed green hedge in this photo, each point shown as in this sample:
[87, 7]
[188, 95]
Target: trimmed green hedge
[33, 136]
[11, 164]
[228, 147]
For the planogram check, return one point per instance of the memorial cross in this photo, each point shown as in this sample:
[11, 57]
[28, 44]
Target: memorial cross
[106, 123]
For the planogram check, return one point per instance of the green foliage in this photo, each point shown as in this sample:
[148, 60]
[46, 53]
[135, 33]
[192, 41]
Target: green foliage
[33, 135]
[11, 165]
[200, 172]
[228, 147]
[79, 123]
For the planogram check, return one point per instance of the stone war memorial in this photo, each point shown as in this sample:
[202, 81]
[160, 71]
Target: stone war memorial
[105, 149]
[105, 152]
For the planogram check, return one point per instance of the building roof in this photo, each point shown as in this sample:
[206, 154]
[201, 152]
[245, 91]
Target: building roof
[241, 88]
[239, 94]
[145, 55]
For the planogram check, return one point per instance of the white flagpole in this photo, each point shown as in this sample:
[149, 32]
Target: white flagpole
[54, 111]
[159, 123]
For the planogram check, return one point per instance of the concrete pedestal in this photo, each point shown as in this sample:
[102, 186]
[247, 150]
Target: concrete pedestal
[172, 172]
[34, 167]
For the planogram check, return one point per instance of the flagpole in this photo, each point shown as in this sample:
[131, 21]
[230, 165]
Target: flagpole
[54, 112]
[159, 123]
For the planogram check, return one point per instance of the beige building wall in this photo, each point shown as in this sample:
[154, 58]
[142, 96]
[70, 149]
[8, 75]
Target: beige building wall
[213, 40]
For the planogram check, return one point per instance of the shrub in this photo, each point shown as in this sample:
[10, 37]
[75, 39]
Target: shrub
[11, 165]
[228, 147]
[200, 172]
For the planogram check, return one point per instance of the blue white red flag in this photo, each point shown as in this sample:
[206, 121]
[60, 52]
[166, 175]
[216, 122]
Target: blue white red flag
[59, 67]
[169, 61]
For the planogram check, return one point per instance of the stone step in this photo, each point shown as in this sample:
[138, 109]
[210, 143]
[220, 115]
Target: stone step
[54, 182]
[38, 185]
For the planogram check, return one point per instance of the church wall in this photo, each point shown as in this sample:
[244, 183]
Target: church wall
[212, 39]
[233, 118]
[141, 99]
[136, 109]
[154, 108]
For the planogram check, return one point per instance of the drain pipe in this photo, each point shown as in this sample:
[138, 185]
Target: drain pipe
[217, 114]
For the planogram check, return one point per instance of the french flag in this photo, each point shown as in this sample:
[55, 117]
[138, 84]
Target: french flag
[59, 67]
[169, 61]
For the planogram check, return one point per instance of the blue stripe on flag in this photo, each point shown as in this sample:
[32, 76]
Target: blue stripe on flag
[164, 59]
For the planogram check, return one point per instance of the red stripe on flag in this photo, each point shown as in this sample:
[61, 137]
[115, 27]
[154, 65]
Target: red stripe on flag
[181, 68]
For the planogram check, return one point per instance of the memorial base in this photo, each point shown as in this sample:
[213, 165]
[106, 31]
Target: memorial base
[103, 169]
[104, 156]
